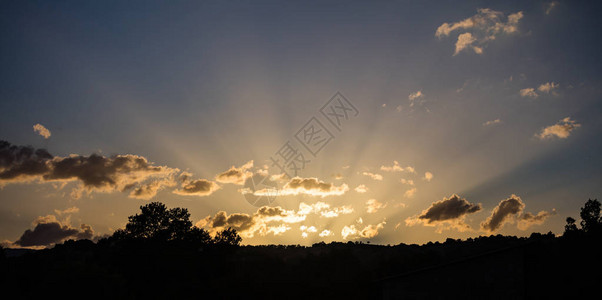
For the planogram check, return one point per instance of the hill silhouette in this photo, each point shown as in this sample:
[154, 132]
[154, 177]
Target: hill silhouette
[160, 254]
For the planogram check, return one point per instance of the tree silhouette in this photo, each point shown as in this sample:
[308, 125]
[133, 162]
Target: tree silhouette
[590, 216]
[591, 221]
[227, 237]
[156, 222]
[570, 226]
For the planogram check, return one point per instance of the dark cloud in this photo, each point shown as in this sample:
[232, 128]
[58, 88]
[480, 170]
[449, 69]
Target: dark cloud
[48, 231]
[503, 213]
[94, 172]
[236, 175]
[449, 208]
[198, 187]
[528, 219]
[21, 163]
[447, 213]
[265, 220]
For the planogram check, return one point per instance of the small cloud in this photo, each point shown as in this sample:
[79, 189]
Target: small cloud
[361, 189]
[310, 186]
[480, 29]
[407, 181]
[415, 95]
[562, 129]
[446, 214]
[351, 232]
[67, 211]
[326, 233]
[503, 213]
[492, 122]
[397, 168]
[41, 130]
[410, 193]
[528, 219]
[550, 6]
[198, 187]
[428, 176]
[372, 206]
[547, 87]
[465, 40]
[374, 176]
[236, 175]
[528, 92]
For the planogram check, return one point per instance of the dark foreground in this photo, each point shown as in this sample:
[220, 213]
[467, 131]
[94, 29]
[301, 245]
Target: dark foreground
[493, 267]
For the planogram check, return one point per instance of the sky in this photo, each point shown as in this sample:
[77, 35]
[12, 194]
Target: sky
[296, 122]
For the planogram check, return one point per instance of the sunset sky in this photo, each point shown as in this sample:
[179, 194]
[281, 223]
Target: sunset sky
[423, 121]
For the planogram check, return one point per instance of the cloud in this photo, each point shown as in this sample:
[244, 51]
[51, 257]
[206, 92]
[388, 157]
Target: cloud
[428, 176]
[198, 187]
[266, 220]
[370, 231]
[326, 233]
[528, 219]
[492, 122]
[149, 190]
[308, 186]
[410, 193]
[415, 95]
[236, 175]
[562, 129]
[374, 176]
[270, 220]
[323, 209]
[446, 214]
[528, 92]
[551, 6]
[407, 181]
[480, 29]
[503, 213]
[547, 87]
[305, 231]
[97, 173]
[49, 231]
[464, 41]
[41, 130]
[396, 168]
[361, 189]
[373, 205]
[67, 211]
[94, 173]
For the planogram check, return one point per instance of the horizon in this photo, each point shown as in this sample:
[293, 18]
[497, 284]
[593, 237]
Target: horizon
[297, 123]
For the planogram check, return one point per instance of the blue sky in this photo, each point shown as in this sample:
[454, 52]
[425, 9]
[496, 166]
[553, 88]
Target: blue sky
[201, 87]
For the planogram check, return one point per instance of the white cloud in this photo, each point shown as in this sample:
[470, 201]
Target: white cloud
[374, 176]
[397, 168]
[492, 122]
[480, 29]
[407, 181]
[351, 232]
[410, 193]
[547, 87]
[428, 176]
[528, 92]
[415, 95]
[464, 41]
[373, 205]
[326, 233]
[41, 130]
[562, 129]
[361, 189]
